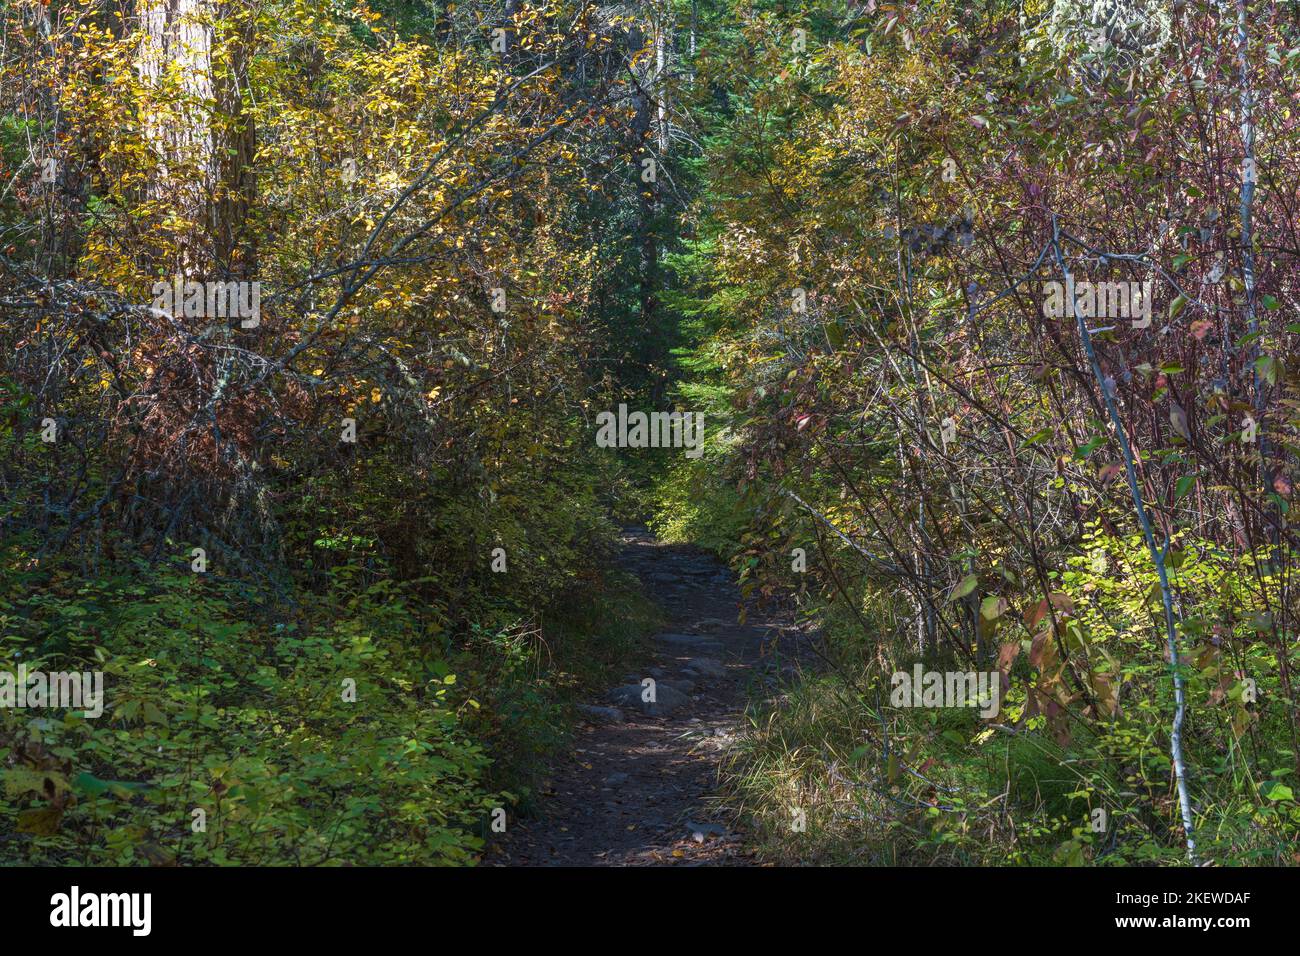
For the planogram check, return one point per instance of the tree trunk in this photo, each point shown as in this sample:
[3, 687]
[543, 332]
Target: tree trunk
[210, 181]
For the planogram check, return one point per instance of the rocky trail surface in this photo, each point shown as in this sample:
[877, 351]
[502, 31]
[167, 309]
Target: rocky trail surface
[638, 785]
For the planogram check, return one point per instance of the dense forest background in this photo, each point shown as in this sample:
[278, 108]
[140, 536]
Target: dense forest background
[345, 563]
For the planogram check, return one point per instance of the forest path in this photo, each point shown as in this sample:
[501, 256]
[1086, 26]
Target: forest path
[636, 787]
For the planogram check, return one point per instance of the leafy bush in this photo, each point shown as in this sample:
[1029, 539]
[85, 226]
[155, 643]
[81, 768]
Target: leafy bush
[221, 705]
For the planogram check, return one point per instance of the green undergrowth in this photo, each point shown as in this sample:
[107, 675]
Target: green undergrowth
[830, 771]
[259, 722]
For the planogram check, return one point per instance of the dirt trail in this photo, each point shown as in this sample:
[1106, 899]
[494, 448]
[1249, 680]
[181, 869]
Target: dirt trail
[635, 789]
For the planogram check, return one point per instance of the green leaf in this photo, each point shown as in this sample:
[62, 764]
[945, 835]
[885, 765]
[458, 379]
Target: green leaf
[91, 785]
[1275, 790]
[1088, 447]
[992, 607]
[964, 587]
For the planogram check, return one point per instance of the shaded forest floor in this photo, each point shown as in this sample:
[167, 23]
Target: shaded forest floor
[639, 783]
